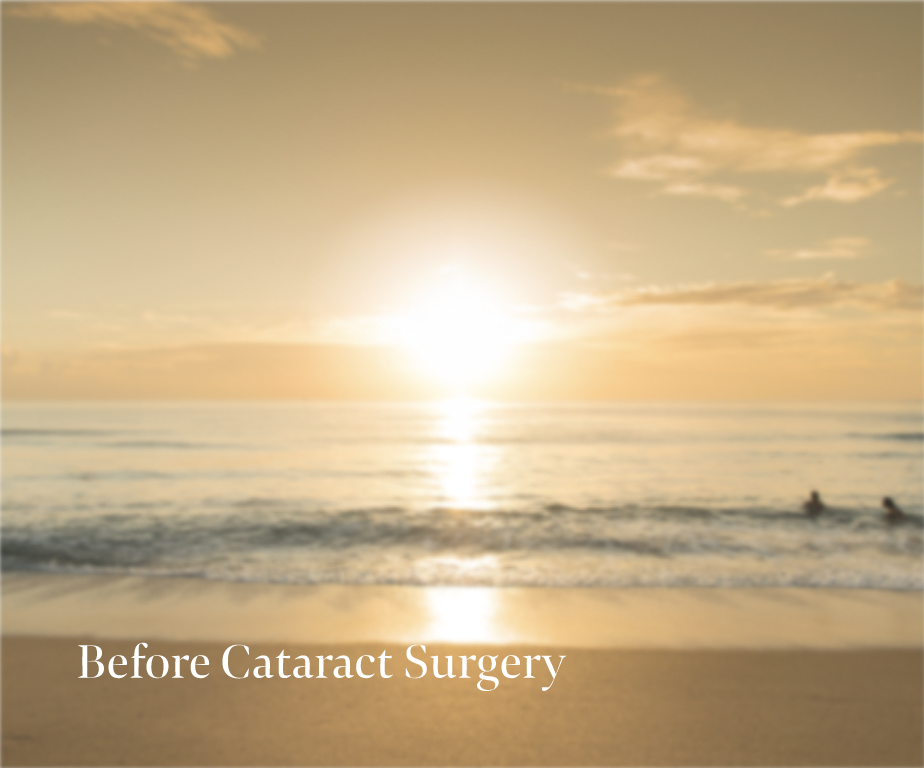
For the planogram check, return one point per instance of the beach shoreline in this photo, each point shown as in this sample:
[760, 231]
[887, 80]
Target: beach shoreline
[667, 618]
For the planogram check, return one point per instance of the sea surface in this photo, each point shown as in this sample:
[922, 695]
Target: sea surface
[464, 492]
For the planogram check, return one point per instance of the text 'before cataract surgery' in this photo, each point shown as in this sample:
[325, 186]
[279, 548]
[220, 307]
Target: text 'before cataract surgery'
[236, 663]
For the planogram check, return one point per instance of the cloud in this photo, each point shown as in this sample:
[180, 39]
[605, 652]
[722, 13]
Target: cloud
[667, 141]
[658, 167]
[835, 248]
[717, 191]
[847, 187]
[191, 31]
[797, 294]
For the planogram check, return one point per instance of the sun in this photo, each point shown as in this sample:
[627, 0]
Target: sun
[459, 334]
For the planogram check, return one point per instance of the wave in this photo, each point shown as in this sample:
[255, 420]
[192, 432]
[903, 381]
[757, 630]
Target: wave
[910, 437]
[388, 544]
[6, 433]
[610, 494]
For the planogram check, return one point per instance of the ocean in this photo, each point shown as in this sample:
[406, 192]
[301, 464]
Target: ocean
[466, 493]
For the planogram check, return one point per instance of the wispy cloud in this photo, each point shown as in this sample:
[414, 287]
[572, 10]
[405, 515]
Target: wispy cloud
[800, 293]
[835, 248]
[191, 31]
[847, 187]
[667, 141]
[724, 192]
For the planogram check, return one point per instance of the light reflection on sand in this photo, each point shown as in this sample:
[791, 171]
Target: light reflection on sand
[196, 609]
[462, 614]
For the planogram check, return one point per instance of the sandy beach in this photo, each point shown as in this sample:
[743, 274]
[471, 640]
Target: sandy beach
[716, 697]
[607, 707]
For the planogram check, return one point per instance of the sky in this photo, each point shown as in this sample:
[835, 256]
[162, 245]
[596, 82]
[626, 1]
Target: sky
[517, 201]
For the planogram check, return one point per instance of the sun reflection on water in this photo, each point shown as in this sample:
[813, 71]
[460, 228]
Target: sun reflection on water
[458, 461]
[458, 419]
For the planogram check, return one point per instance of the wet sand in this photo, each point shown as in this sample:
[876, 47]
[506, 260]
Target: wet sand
[650, 677]
[196, 609]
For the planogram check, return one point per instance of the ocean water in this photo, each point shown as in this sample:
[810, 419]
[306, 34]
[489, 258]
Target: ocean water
[466, 493]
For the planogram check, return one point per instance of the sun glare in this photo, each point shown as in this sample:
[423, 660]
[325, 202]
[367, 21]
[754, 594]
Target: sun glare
[459, 335]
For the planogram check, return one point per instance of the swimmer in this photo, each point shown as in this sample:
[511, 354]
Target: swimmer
[814, 506]
[892, 513]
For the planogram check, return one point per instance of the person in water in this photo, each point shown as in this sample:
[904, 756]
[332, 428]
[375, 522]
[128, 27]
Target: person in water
[892, 513]
[814, 506]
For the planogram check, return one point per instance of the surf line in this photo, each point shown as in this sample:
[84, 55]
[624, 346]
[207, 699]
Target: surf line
[236, 664]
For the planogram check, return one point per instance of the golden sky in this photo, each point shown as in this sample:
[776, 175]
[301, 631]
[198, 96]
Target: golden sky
[522, 201]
